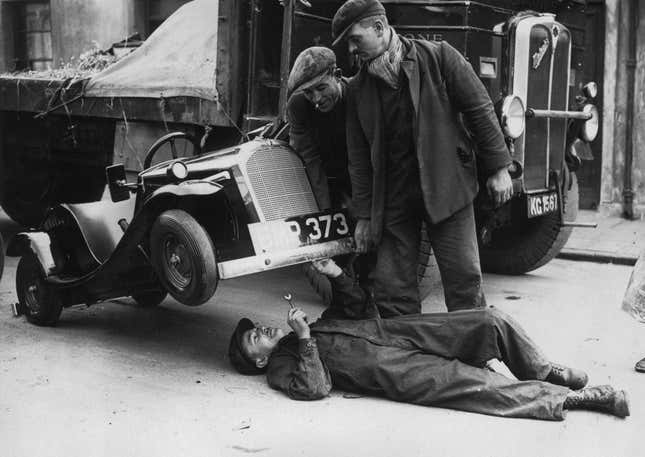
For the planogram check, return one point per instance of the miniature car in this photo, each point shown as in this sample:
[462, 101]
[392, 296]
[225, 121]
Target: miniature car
[191, 222]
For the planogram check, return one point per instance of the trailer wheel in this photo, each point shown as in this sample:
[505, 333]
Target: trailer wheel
[528, 245]
[39, 301]
[150, 299]
[183, 256]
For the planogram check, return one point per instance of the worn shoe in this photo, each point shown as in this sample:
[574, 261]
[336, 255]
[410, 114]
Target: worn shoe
[640, 366]
[605, 399]
[568, 377]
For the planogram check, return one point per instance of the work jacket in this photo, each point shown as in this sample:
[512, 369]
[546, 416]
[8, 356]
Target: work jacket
[447, 97]
[319, 139]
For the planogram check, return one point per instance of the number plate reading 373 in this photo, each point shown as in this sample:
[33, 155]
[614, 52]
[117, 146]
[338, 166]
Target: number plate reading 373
[299, 231]
[541, 204]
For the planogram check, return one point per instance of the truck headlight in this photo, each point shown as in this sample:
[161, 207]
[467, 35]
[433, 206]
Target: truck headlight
[590, 90]
[513, 116]
[589, 129]
[178, 170]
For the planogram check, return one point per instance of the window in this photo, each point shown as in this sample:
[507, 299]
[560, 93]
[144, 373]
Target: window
[32, 36]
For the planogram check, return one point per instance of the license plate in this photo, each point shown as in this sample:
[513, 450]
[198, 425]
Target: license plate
[541, 204]
[299, 231]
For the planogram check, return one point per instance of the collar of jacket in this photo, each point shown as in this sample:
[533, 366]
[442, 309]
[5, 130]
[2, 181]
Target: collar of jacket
[409, 65]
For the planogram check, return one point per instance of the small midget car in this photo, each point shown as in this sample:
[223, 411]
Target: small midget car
[185, 224]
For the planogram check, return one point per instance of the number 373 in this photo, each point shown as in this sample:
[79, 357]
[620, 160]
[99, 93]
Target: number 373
[321, 226]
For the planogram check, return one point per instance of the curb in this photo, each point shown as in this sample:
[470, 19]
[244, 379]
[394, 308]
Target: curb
[596, 256]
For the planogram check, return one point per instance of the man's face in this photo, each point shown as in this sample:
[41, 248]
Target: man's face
[259, 342]
[365, 43]
[325, 94]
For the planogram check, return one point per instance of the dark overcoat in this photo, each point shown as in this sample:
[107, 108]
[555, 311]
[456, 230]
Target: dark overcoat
[447, 96]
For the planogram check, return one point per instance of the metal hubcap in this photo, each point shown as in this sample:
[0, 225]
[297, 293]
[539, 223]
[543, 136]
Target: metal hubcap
[177, 263]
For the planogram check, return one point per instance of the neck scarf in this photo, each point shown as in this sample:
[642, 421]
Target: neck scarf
[387, 65]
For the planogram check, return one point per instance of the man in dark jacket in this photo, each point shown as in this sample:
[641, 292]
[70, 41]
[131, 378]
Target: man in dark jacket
[316, 115]
[426, 359]
[420, 125]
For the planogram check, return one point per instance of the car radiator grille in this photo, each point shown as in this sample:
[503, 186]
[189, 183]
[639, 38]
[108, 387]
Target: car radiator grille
[279, 181]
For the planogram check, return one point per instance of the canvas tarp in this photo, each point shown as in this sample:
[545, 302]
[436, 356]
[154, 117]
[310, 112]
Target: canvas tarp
[178, 59]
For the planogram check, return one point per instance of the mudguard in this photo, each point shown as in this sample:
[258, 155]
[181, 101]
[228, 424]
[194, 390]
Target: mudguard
[37, 242]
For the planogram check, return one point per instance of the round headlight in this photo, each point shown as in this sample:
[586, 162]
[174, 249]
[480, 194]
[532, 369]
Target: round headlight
[589, 129]
[513, 116]
[178, 170]
[590, 90]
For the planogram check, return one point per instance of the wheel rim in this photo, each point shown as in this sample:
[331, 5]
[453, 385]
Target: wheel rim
[177, 264]
[32, 292]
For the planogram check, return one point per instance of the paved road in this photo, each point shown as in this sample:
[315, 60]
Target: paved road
[118, 380]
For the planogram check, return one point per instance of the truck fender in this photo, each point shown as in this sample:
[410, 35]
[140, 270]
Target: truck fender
[39, 243]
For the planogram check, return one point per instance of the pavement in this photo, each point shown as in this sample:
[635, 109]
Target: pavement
[615, 239]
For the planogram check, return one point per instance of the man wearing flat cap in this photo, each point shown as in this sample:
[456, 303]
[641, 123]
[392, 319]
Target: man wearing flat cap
[420, 125]
[316, 114]
[426, 359]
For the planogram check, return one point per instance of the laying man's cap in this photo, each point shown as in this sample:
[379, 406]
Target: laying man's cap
[236, 355]
[310, 67]
[350, 13]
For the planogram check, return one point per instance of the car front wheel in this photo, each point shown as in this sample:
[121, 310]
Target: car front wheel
[183, 256]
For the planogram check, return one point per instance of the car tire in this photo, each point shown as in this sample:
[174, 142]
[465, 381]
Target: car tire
[38, 300]
[183, 256]
[150, 299]
[524, 247]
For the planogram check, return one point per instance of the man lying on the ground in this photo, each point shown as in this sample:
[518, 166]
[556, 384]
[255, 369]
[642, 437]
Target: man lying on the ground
[426, 359]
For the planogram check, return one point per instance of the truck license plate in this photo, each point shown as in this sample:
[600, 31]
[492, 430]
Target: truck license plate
[299, 231]
[541, 204]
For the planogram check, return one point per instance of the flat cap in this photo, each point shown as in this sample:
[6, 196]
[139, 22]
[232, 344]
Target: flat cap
[350, 13]
[236, 355]
[310, 66]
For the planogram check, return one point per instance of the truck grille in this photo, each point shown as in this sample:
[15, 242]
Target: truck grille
[541, 70]
[279, 181]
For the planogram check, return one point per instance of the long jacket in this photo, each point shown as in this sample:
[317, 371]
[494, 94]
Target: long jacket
[319, 139]
[447, 96]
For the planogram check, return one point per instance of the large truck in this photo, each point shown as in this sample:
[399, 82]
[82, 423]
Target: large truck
[58, 135]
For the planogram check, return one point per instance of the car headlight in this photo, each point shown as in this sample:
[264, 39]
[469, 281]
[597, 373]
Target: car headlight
[513, 116]
[589, 129]
[178, 170]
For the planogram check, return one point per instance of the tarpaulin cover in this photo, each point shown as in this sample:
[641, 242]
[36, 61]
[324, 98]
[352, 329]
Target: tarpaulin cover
[178, 59]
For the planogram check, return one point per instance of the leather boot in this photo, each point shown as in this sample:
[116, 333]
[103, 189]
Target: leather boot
[605, 399]
[568, 377]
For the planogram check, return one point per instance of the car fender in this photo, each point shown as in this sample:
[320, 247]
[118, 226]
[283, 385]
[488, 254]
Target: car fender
[37, 242]
[186, 189]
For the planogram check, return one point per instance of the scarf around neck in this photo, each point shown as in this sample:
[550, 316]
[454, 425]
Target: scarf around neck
[387, 65]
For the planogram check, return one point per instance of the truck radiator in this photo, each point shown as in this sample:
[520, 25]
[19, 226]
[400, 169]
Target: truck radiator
[541, 63]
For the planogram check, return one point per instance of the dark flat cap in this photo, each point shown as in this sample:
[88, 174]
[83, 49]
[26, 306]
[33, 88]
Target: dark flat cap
[350, 13]
[310, 66]
[236, 355]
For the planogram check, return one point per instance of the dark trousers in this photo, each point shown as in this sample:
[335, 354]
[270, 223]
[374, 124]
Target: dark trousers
[438, 360]
[454, 243]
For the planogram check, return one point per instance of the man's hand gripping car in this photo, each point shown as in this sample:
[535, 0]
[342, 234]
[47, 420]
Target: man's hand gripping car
[191, 222]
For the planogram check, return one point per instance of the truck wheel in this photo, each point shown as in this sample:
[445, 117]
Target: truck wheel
[40, 302]
[150, 299]
[528, 245]
[183, 256]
